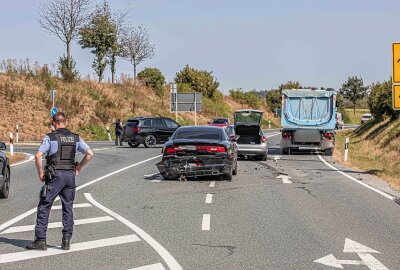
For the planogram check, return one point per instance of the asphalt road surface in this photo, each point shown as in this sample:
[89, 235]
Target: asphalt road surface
[127, 217]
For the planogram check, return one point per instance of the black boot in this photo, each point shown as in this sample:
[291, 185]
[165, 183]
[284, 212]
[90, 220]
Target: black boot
[65, 244]
[37, 244]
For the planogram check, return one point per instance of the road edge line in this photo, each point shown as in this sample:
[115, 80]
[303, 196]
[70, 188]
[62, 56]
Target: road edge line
[165, 255]
[384, 194]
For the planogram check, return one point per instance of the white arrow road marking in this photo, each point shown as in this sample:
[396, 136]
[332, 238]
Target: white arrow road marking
[32, 254]
[351, 246]
[58, 224]
[209, 198]
[371, 262]
[285, 178]
[276, 158]
[362, 251]
[165, 255]
[205, 225]
[330, 260]
[156, 266]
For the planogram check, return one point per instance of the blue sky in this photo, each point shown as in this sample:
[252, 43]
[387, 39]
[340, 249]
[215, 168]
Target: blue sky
[250, 44]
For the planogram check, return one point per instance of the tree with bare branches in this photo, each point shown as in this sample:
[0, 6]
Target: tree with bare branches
[63, 19]
[136, 46]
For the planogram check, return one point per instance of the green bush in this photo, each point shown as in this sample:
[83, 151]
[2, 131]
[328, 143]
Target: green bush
[68, 73]
[153, 78]
[249, 98]
[94, 131]
[380, 100]
[193, 80]
[274, 99]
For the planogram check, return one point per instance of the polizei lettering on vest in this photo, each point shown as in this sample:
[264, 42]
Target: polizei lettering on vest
[67, 139]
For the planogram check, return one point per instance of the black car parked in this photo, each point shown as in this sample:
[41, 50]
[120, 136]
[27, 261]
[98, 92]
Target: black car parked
[4, 173]
[199, 151]
[148, 131]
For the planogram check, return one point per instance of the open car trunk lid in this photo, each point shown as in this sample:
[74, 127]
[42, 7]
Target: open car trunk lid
[248, 117]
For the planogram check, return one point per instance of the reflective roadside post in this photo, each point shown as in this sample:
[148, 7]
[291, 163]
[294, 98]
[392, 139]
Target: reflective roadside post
[346, 150]
[11, 144]
[17, 134]
[108, 133]
[269, 124]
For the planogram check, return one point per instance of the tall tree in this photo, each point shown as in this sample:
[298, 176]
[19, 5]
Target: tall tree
[99, 34]
[63, 19]
[353, 89]
[119, 19]
[136, 46]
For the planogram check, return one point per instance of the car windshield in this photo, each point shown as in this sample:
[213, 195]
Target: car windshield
[200, 134]
[220, 121]
[367, 116]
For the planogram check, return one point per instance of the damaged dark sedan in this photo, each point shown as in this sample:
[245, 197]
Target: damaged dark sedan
[196, 151]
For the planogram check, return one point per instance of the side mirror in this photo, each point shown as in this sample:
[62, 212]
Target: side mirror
[3, 146]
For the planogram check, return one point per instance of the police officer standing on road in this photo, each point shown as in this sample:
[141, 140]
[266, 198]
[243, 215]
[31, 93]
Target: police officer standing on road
[60, 147]
[118, 132]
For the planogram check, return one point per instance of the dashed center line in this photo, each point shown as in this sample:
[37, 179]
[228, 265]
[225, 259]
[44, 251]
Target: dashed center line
[212, 184]
[209, 198]
[156, 266]
[205, 226]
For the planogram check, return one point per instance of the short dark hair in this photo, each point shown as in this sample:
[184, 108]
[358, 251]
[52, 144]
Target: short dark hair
[59, 117]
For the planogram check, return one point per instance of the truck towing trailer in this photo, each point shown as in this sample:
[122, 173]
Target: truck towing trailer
[308, 120]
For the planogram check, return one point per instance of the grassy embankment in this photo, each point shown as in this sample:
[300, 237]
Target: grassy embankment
[354, 118]
[90, 106]
[374, 148]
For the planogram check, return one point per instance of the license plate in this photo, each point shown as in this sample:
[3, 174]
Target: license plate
[187, 147]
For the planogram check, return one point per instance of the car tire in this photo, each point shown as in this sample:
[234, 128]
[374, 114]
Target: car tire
[150, 141]
[329, 152]
[235, 171]
[228, 176]
[5, 190]
[263, 158]
[133, 145]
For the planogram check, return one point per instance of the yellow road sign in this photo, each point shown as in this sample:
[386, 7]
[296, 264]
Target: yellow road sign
[396, 97]
[396, 62]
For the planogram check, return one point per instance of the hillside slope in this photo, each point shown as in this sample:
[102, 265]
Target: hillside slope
[90, 106]
[374, 148]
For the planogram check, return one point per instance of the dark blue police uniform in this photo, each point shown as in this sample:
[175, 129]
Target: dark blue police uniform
[60, 147]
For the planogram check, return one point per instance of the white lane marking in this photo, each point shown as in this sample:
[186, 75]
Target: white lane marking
[272, 135]
[212, 184]
[285, 179]
[30, 212]
[205, 225]
[384, 194]
[32, 254]
[101, 149]
[30, 158]
[209, 198]
[76, 205]
[156, 181]
[156, 266]
[165, 255]
[115, 172]
[53, 225]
